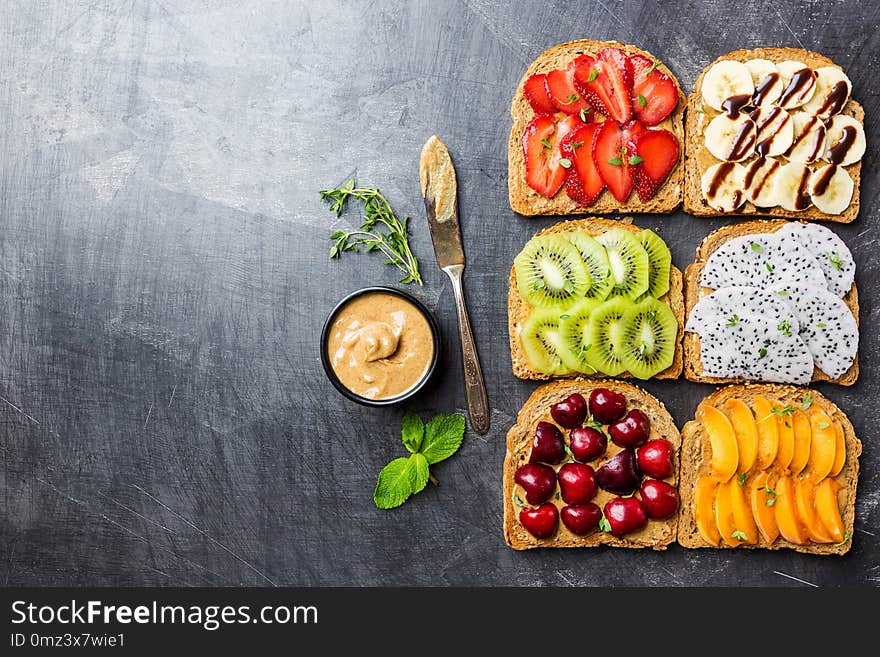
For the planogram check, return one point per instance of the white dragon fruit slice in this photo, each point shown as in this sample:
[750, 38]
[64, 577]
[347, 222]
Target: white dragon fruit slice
[833, 255]
[754, 347]
[761, 260]
[827, 326]
[741, 299]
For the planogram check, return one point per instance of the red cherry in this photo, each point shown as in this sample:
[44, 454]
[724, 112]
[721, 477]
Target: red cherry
[607, 406]
[632, 430]
[548, 445]
[540, 522]
[570, 412]
[581, 518]
[620, 474]
[538, 481]
[625, 515]
[655, 458]
[659, 499]
[577, 483]
[587, 443]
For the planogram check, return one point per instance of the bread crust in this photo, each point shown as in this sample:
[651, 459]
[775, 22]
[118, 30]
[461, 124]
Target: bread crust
[657, 535]
[525, 201]
[518, 309]
[693, 292]
[698, 158]
[696, 454]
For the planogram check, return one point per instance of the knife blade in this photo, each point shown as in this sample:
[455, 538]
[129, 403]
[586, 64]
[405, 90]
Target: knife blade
[440, 191]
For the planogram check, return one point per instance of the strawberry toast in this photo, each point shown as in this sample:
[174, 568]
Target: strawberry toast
[596, 126]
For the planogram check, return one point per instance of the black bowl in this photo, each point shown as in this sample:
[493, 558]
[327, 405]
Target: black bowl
[325, 357]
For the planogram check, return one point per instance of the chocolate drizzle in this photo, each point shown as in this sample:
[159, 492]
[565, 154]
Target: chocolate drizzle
[763, 87]
[734, 104]
[802, 199]
[753, 170]
[744, 142]
[798, 85]
[835, 100]
[804, 133]
[822, 181]
[767, 122]
[721, 173]
[837, 153]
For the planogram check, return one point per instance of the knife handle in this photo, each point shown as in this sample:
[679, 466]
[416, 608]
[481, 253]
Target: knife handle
[474, 386]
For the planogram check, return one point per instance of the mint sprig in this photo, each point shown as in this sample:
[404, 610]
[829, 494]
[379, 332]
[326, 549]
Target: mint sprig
[428, 444]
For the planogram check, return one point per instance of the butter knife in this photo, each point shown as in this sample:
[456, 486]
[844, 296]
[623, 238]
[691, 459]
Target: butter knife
[440, 189]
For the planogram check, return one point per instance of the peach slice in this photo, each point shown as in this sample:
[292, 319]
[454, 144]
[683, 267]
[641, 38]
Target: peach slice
[725, 453]
[839, 450]
[786, 518]
[724, 514]
[823, 446]
[704, 510]
[827, 509]
[763, 496]
[803, 502]
[785, 429]
[803, 436]
[768, 433]
[746, 432]
[743, 520]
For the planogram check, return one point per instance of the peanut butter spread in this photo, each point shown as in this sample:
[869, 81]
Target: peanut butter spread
[437, 176]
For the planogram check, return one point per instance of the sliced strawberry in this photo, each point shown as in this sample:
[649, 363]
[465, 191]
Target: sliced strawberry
[583, 184]
[611, 155]
[541, 138]
[653, 154]
[606, 81]
[654, 93]
[563, 94]
[535, 91]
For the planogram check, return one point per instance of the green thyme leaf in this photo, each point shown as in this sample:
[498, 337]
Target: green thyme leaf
[546, 143]
[701, 109]
[762, 352]
[733, 320]
[738, 535]
[741, 479]
[584, 113]
[757, 248]
[616, 161]
[823, 425]
[642, 100]
[564, 162]
[807, 402]
[635, 159]
[604, 525]
[835, 260]
[571, 98]
[576, 144]
[593, 75]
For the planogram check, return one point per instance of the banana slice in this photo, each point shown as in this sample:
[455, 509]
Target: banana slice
[808, 144]
[833, 88]
[844, 141]
[759, 181]
[723, 186]
[831, 189]
[799, 84]
[791, 185]
[775, 130]
[725, 79]
[729, 139]
[767, 80]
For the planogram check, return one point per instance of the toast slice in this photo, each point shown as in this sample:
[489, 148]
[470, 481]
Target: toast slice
[696, 454]
[698, 158]
[525, 201]
[693, 291]
[518, 309]
[656, 535]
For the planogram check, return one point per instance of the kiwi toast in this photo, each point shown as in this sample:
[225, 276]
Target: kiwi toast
[773, 132]
[649, 533]
[768, 466]
[580, 282]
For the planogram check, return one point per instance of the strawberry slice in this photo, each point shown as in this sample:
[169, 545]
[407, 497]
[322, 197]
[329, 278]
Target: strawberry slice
[583, 184]
[544, 172]
[611, 155]
[535, 91]
[653, 154]
[606, 81]
[654, 94]
[563, 93]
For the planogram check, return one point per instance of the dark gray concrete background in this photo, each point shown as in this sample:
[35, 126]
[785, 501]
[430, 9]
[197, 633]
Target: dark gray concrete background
[165, 419]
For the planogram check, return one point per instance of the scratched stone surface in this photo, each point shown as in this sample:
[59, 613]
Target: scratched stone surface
[164, 419]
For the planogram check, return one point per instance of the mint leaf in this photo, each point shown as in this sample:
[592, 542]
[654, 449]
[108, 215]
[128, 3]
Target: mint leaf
[394, 485]
[412, 430]
[418, 472]
[443, 436]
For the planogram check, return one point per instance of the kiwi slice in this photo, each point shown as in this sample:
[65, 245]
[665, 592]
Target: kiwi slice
[604, 334]
[629, 263]
[542, 343]
[550, 272]
[573, 325]
[649, 333]
[596, 260]
[659, 262]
